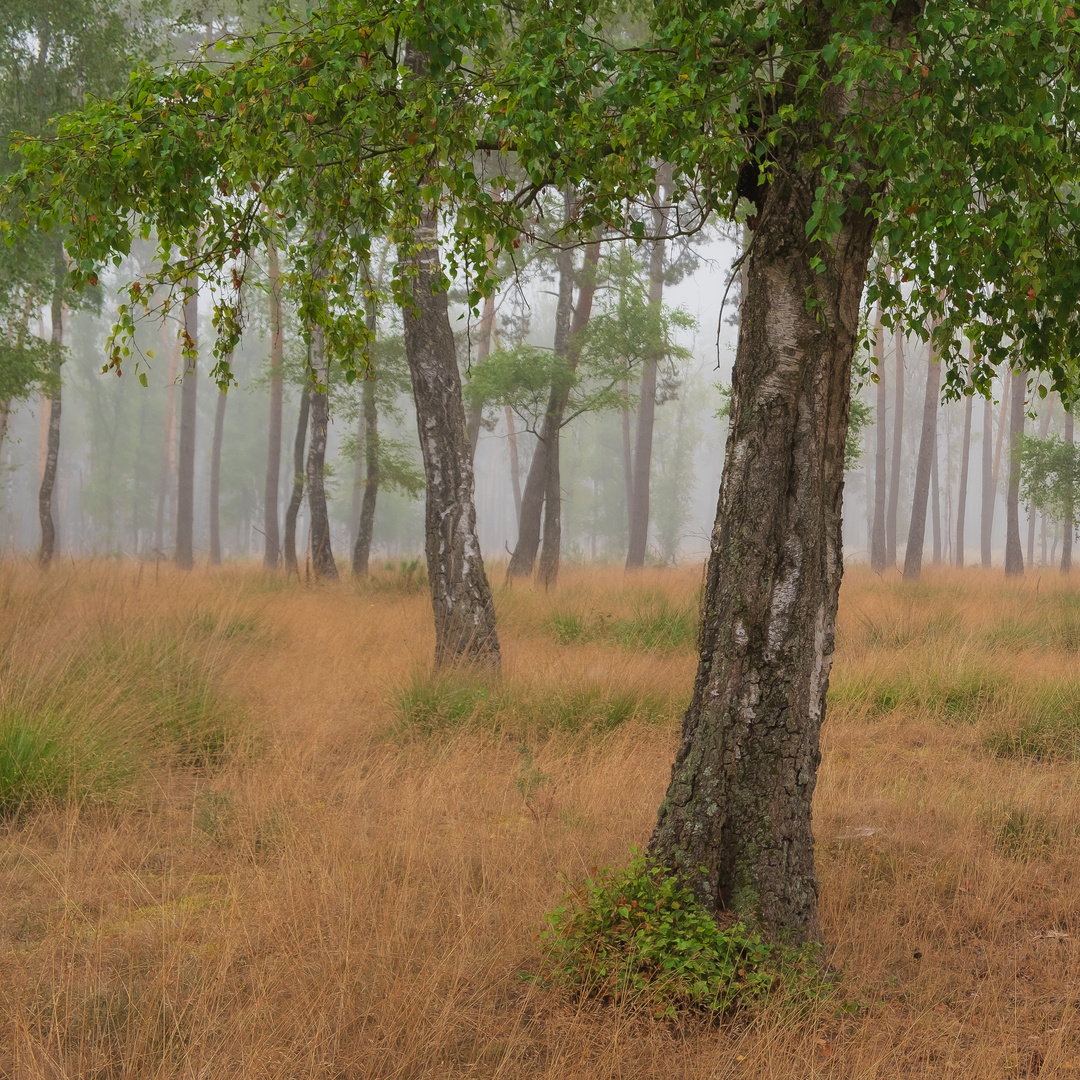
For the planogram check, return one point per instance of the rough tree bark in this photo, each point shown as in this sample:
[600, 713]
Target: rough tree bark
[1067, 535]
[1014, 553]
[736, 821]
[646, 414]
[185, 466]
[297, 497]
[878, 557]
[46, 517]
[272, 551]
[896, 464]
[961, 498]
[460, 593]
[550, 555]
[322, 556]
[215, 479]
[927, 451]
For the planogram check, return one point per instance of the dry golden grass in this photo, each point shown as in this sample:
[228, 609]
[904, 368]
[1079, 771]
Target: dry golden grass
[350, 896]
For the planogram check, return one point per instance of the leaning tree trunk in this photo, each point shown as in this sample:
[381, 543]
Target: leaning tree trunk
[1014, 553]
[215, 479]
[52, 445]
[927, 451]
[736, 821]
[460, 593]
[1067, 536]
[877, 530]
[322, 557]
[523, 558]
[293, 509]
[548, 571]
[961, 498]
[898, 442]
[185, 470]
[646, 413]
[272, 551]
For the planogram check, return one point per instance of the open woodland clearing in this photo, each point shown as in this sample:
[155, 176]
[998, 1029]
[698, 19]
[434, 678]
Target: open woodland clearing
[294, 853]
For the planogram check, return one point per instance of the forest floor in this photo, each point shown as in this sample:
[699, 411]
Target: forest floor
[256, 838]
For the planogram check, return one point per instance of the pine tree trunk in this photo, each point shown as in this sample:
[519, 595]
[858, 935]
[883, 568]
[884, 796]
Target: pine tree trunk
[185, 471]
[927, 451]
[215, 479]
[49, 541]
[961, 498]
[646, 414]
[1014, 553]
[1067, 535]
[898, 442]
[293, 509]
[989, 487]
[322, 556]
[551, 553]
[366, 524]
[272, 551]
[460, 593]
[736, 821]
[877, 530]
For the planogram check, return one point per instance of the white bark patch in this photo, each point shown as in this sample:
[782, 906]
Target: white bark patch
[819, 676]
[784, 315]
[784, 596]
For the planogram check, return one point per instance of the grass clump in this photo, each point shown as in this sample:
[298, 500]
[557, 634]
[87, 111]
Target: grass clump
[638, 936]
[34, 767]
[657, 624]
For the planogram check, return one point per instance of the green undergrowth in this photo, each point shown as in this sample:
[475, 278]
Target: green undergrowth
[638, 937]
[429, 704]
[121, 701]
[653, 622]
[955, 696]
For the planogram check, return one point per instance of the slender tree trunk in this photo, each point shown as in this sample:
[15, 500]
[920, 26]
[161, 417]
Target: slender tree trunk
[366, 524]
[989, 487]
[1067, 535]
[168, 448]
[1014, 553]
[1005, 390]
[736, 821]
[5, 412]
[460, 593]
[483, 351]
[1044, 427]
[898, 442]
[49, 541]
[961, 498]
[215, 479]
[293, 508]
[523, 559]
[877, 531]
[627, 452]
[322, 557]
[515, 467]
[272, 551]
[927, 450]
[185, 480]
[548, 570]
[646, 413]
[935, 501]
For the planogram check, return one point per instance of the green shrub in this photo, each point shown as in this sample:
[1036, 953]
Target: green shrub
[657, 624]
[34, 767]
[638, 936]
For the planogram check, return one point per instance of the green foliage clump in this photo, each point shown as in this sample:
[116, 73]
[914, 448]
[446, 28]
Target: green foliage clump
[638, 936]
[408, 576]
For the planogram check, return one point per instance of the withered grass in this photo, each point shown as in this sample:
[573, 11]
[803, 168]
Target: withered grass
[342, 895]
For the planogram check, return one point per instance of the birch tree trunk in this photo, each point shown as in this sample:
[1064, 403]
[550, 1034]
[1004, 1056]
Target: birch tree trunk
[935, 500]
[322, 556]
[1067, 535]
[168, 449]
[878, 556]
[293, 509]
[1014, 553]
[1044, 427]
[927, 450]
[646, 413]
[215, 479]
[515, 468]
[961, 497]
[46, 516]
[365, 526]
[460, 593]
[272, 550]
[989, 487]
[897, 463]
[736, 820]
[185, 466]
